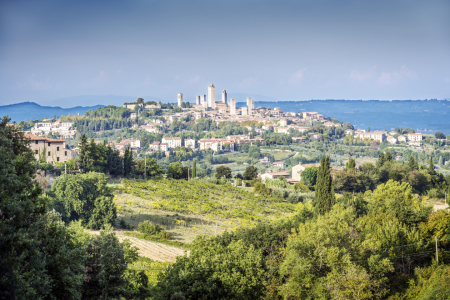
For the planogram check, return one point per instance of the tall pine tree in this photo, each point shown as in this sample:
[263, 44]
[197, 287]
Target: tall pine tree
[127, 161]
[324, 198]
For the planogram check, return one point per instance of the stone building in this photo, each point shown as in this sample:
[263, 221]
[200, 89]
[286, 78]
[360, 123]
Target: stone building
[232, 106]
[224, 97]
[212, 96]
[180, 99]
[54, 150]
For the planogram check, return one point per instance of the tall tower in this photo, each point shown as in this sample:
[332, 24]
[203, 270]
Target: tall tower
[212, 96]
[202, 99]
[197, 100]
[232, 106]
[224, 96]
[180, 99]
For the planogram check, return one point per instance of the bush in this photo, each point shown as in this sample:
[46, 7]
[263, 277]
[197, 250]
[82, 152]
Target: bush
[148, 227]
[261, 189]
[435, 194]
[294, 198]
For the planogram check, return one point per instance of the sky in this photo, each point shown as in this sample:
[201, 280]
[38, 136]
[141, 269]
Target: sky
[285, 50]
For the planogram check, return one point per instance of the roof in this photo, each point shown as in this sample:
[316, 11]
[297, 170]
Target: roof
[40, 138]
[278, 173]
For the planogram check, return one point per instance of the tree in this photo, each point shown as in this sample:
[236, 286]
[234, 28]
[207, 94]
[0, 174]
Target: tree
[115, 162]
[351, 164]
[261, 189]
[38, 259]
[431, 170]
[153, 169]
[324, 197]
[194, 168]
[83, 153]
[86, 197]
[127, 161]
[215, 271]
[412, 164]
[381, 160]
[223, 171]
[250, 173]
[140, 101]
[175, 171]
[368, 129]
[105, 268]
[439, 135]
[309, 176]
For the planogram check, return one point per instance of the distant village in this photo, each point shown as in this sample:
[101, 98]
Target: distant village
[206, 107]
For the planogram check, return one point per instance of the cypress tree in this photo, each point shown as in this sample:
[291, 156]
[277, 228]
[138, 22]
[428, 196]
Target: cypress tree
[324, 198]
[431, 167]
[381, 160]
[83, 155]
[412, 164]
[194, 169]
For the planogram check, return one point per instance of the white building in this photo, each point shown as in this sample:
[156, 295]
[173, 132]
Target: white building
[172, 142]
[189, 143]
[415, 137]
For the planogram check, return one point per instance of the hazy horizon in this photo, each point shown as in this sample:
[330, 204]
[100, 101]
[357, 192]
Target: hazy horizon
[284, 50]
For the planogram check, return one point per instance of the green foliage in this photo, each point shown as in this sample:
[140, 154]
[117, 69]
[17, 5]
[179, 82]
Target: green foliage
[309, 175]
[39, 257]
[216, 201]
[127, 161]
[105, 268]
[439, 135]
[147, 227]
[250, 173]
[319, 257]
[153, 169]
[213, 271]
[223, 172]
[351, 164]
[429, 283]
[397, 199]
[261, 189]
[324, 197]
[438, 224]
[86, 197]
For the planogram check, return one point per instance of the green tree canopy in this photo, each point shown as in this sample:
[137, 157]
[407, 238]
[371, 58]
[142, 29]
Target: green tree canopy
[223, 171]
[251, 172]
[86, 197]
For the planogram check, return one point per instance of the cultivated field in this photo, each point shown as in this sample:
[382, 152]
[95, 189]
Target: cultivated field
[190, 208]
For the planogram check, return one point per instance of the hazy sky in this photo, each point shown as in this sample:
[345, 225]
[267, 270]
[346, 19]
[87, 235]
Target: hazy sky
[287, 50]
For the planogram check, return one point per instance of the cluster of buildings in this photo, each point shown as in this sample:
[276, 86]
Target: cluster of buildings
[413, 139]
[64, 129]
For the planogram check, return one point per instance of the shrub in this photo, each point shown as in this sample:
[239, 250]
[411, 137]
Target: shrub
[435, 194]
[148, 227]
[260, 188]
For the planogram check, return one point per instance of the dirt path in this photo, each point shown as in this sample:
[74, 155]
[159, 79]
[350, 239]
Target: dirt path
[153, 250]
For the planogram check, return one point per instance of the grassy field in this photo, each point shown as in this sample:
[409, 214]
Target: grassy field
[187, 209]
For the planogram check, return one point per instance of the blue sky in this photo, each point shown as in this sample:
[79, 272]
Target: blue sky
[286, 50]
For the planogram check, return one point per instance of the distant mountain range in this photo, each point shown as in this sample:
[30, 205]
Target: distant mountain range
[26, 111]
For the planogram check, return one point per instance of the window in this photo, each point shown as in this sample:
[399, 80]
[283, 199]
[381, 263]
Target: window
[48, 153]
[65, 153]
[36, 142]
[57, 148]
[57, 159]
[49, 144]
[36, 152]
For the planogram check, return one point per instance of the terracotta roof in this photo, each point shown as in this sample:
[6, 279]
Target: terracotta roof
[40, 138]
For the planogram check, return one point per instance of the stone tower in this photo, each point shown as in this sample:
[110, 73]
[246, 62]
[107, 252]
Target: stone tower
[224, 97]
[212, 96]
[180, 99]
[202, 99]
[232, 106]
[197, 100]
